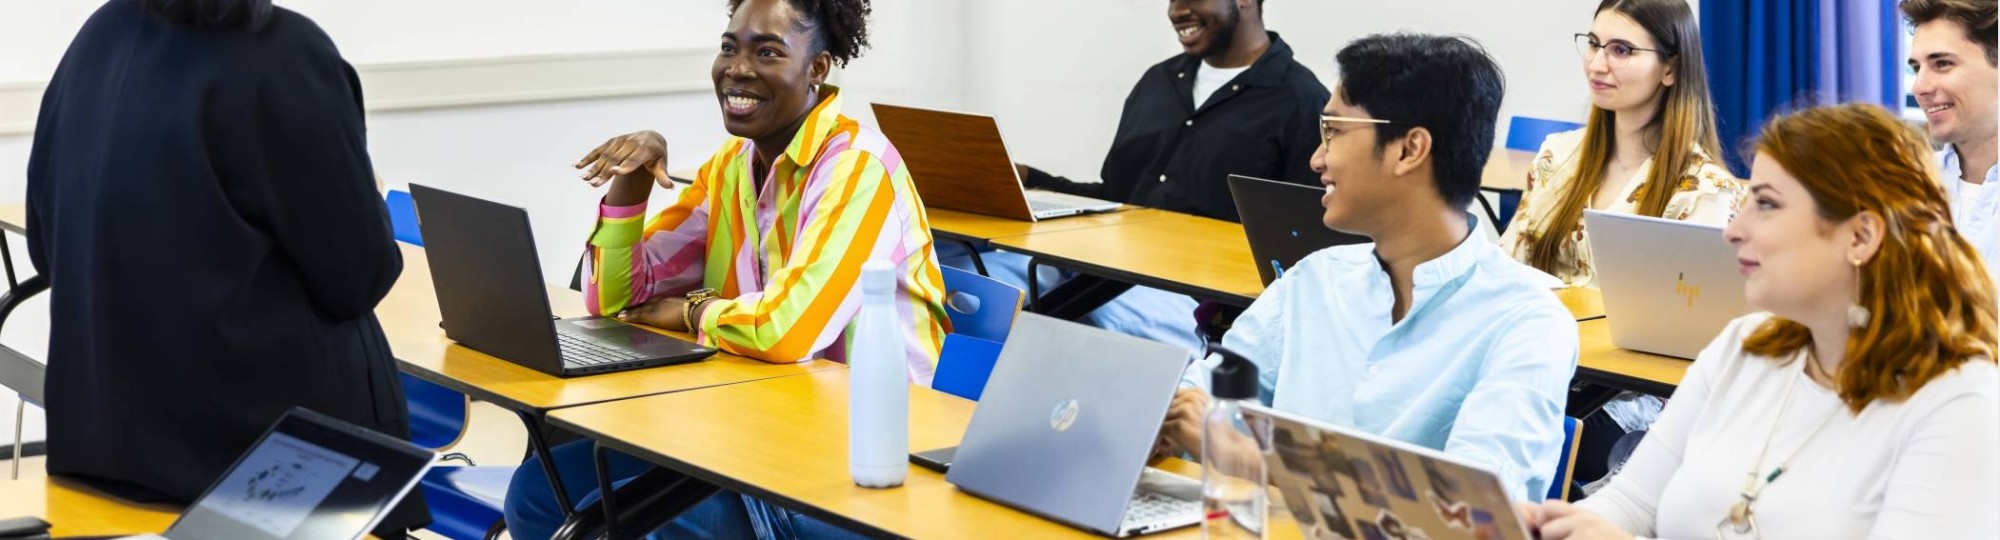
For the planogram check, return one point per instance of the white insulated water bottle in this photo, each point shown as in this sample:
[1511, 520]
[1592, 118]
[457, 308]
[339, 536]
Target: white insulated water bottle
[878, 397]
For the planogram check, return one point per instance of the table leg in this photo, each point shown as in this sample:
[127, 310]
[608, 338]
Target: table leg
[539, 440]
[605, 492]
[978, 263]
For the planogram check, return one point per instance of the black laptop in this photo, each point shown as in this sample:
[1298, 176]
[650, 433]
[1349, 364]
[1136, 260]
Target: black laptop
[493, 299]
[310, 477]
[1284, 222]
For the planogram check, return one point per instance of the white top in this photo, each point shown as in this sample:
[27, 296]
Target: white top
[1927, 467]
[1208, 79]
[1479, 368]
[1975, 208]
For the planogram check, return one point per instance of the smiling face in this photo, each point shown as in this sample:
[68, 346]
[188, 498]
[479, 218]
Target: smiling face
[765, 71]
[1955, 84]
[1794, 261]
[1623, 77]
[1205, 27]
[1360, 187]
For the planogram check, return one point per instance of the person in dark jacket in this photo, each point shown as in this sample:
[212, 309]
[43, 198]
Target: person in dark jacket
[1234, 101]
[201, 201]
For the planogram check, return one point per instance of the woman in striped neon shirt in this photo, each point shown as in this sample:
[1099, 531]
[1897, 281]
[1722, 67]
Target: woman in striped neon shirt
[761, 255]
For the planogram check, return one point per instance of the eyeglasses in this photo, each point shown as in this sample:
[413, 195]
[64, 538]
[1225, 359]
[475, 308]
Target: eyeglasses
[1588, 47]
[1326, 123]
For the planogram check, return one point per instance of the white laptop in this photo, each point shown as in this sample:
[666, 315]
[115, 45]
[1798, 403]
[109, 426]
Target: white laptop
[310, 477]
[959, 162]
[1669, 286]
[1066, 426]
[1344, 483]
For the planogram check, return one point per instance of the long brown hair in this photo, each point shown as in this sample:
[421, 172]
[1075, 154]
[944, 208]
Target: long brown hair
[1685, 122]
[1929, 297]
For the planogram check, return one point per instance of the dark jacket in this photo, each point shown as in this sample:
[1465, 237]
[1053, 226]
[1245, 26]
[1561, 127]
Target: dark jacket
[204, 208]
[1170, 155]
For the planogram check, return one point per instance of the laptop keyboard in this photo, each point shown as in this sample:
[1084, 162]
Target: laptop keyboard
[1148, 506]
[586, 352]
[1040, 207]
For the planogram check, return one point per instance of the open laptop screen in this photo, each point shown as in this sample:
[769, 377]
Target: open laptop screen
[309, 477]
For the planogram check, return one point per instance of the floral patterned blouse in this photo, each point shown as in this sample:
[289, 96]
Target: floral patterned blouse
[1708, 193]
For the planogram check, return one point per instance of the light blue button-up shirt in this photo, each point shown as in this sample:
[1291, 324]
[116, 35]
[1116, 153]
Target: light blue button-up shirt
[1479, 367]
[1975, 208]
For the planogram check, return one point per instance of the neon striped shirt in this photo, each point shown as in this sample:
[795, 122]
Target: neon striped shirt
[786, 261]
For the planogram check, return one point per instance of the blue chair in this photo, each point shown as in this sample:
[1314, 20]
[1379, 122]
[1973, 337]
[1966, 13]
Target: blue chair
[982, 312]
[1526, 134]
[437, 414]
[1559, 484]
[403, 218]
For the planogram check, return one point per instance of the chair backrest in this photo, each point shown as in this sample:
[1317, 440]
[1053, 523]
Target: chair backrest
[1565, 467]
[964, 366]
[437, 414]
[980, 306]
[1526, 134]
[403, 218]
[982, 312]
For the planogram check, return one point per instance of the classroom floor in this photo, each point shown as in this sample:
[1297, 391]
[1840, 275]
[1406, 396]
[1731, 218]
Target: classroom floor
[493, 437]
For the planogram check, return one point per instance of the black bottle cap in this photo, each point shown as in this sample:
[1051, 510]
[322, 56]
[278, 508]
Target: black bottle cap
[1235, 378]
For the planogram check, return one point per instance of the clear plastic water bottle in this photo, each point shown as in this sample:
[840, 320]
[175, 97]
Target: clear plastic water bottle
[1233, 479]
[878, 401]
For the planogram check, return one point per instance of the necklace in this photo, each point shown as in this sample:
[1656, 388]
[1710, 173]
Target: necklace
[1741, 523]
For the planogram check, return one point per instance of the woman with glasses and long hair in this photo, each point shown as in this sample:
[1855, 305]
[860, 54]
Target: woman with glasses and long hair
[1645, 150]
[1863, 403]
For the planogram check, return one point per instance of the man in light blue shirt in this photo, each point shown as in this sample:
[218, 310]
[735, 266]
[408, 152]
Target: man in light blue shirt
[1957, 78]
[1428, 335]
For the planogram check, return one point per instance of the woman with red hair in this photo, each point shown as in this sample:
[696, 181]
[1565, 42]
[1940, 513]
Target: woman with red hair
[1863, 404]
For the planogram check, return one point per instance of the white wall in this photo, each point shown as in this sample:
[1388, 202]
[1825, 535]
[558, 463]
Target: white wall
[33, 33]
[1054, 71]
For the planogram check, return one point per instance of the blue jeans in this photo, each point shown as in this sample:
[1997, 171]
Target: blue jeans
[1143, 311]
[532, 512]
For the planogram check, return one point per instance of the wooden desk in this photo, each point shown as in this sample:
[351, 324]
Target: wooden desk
[1507, 169]
[77, 510]
[1586, 303]
[1601, 363]
[785, 440]
[14, 217]
[1196, 256]
[978, 229]
[410, 317]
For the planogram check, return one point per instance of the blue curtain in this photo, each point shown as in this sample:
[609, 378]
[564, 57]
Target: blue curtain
[1768, 56]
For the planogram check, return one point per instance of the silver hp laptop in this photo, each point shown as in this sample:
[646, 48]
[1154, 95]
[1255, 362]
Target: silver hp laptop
[959, 162]
[1066, 425]
[1669, 286]
[1344, 483]
[311, 477]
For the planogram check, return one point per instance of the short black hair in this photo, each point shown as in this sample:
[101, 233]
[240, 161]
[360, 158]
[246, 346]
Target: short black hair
[212, 14]
[839, 27]
[1448, 85]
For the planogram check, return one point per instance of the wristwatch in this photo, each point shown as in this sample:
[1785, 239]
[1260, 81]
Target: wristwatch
[694, 300]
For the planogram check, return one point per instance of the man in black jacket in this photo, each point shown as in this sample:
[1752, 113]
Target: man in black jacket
[1235, 102]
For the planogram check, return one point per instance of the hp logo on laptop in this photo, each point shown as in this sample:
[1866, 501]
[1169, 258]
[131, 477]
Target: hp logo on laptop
[1063, 416]
[1686, 290]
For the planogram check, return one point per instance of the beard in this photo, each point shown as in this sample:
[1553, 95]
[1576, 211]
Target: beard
[1225, 35]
